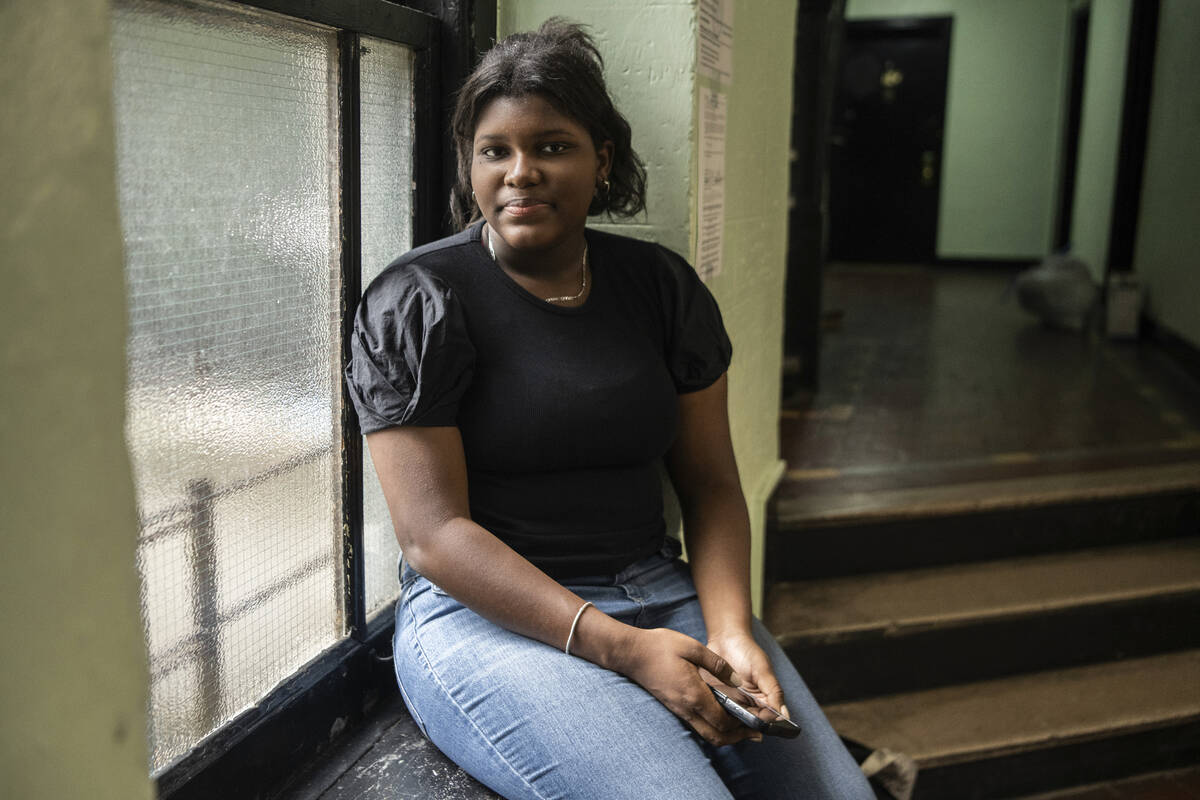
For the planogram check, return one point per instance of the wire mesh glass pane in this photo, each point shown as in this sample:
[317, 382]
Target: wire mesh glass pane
[386, 126]
[227, 135]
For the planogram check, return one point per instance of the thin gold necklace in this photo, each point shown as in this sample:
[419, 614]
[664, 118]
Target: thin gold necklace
[582, 271]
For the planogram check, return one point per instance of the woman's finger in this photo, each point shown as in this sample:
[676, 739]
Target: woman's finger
[716, 715]
[771, 690]
[704, 658]
[723, 733]
[754, 703]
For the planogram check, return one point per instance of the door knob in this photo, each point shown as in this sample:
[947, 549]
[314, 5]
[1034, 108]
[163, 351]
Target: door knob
[927, 170]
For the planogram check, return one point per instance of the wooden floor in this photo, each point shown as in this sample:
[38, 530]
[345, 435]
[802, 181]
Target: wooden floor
[933, 377]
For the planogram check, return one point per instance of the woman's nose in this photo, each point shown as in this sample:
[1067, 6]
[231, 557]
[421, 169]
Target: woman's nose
[522, 171]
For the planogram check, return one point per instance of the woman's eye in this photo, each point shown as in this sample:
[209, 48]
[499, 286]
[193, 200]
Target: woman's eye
[491, 152]
[554, 148]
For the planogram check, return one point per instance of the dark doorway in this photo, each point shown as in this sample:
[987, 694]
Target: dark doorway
[1080, 22]
[886, 153]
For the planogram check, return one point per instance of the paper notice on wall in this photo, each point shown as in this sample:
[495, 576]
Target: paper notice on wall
[711, 194]
[715, 39]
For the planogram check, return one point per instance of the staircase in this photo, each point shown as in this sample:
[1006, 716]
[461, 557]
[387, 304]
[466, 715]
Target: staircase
[1014, 636]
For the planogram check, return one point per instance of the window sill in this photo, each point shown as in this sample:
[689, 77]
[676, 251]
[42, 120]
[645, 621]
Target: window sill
[387, 757]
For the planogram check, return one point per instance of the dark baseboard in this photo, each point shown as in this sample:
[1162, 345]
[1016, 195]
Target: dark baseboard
[988, 263]
[1183, 353]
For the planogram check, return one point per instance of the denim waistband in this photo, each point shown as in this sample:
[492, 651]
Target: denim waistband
[670, 551]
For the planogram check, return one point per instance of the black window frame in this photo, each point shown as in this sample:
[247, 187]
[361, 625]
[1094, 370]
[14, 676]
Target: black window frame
[255, 754]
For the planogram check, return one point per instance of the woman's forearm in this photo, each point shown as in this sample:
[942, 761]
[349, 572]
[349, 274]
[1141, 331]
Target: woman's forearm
[717, 535]
[424, 479]
[716, 526]
[492, 579]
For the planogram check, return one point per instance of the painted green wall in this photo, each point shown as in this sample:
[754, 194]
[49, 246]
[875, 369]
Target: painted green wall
[73, 671]
[750, 288]
[650, 54]
[1003, 121]
[1168, 236]
[1100, 132]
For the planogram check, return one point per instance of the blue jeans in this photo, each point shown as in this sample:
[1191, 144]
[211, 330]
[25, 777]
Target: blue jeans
[529, 721]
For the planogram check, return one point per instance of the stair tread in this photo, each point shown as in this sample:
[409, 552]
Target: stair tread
[913, 599]
[963, 498]
[965, 722]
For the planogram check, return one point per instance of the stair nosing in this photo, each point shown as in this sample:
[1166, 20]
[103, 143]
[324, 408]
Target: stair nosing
[923, 623]
[1012, 588]
[1086, 729]
[1081, 736]
[993, 495]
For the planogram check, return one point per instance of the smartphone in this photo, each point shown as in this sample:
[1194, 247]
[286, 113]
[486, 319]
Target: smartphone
[780, 726]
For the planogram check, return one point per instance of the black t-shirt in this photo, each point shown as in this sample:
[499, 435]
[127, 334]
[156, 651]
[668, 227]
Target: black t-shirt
[565, 413]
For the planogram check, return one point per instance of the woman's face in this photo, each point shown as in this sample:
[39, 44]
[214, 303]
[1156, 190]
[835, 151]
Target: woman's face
[534, 172]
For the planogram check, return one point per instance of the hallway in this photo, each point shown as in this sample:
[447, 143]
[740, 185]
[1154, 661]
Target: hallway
[985, 542]
[934, 376]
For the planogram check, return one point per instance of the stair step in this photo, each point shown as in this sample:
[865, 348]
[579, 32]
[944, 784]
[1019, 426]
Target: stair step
[1039, 731]
[882, 633]
[989, 495]
[899, 601]
[823, 535]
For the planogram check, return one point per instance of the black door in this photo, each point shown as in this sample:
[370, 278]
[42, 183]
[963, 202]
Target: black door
[886, 142]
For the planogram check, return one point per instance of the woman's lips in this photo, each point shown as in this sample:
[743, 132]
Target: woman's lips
[524, 207]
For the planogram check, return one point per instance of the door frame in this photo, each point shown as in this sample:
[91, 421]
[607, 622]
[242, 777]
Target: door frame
[1077, 54]
[1135, 123]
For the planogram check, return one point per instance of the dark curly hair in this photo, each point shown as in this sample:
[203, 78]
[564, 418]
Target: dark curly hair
[558, 62]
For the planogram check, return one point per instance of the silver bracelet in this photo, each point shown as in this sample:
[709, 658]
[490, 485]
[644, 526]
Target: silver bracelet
[574, 625]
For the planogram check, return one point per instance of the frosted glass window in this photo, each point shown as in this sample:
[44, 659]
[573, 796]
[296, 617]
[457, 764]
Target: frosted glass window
[227, 136]
[386, 127]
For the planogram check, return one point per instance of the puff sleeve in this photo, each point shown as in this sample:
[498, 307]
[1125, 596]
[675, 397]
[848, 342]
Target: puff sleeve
[698, 348]
[411, 358]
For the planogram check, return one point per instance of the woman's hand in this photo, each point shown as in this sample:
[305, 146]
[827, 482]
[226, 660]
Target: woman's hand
[750, 662]
[667, 664]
